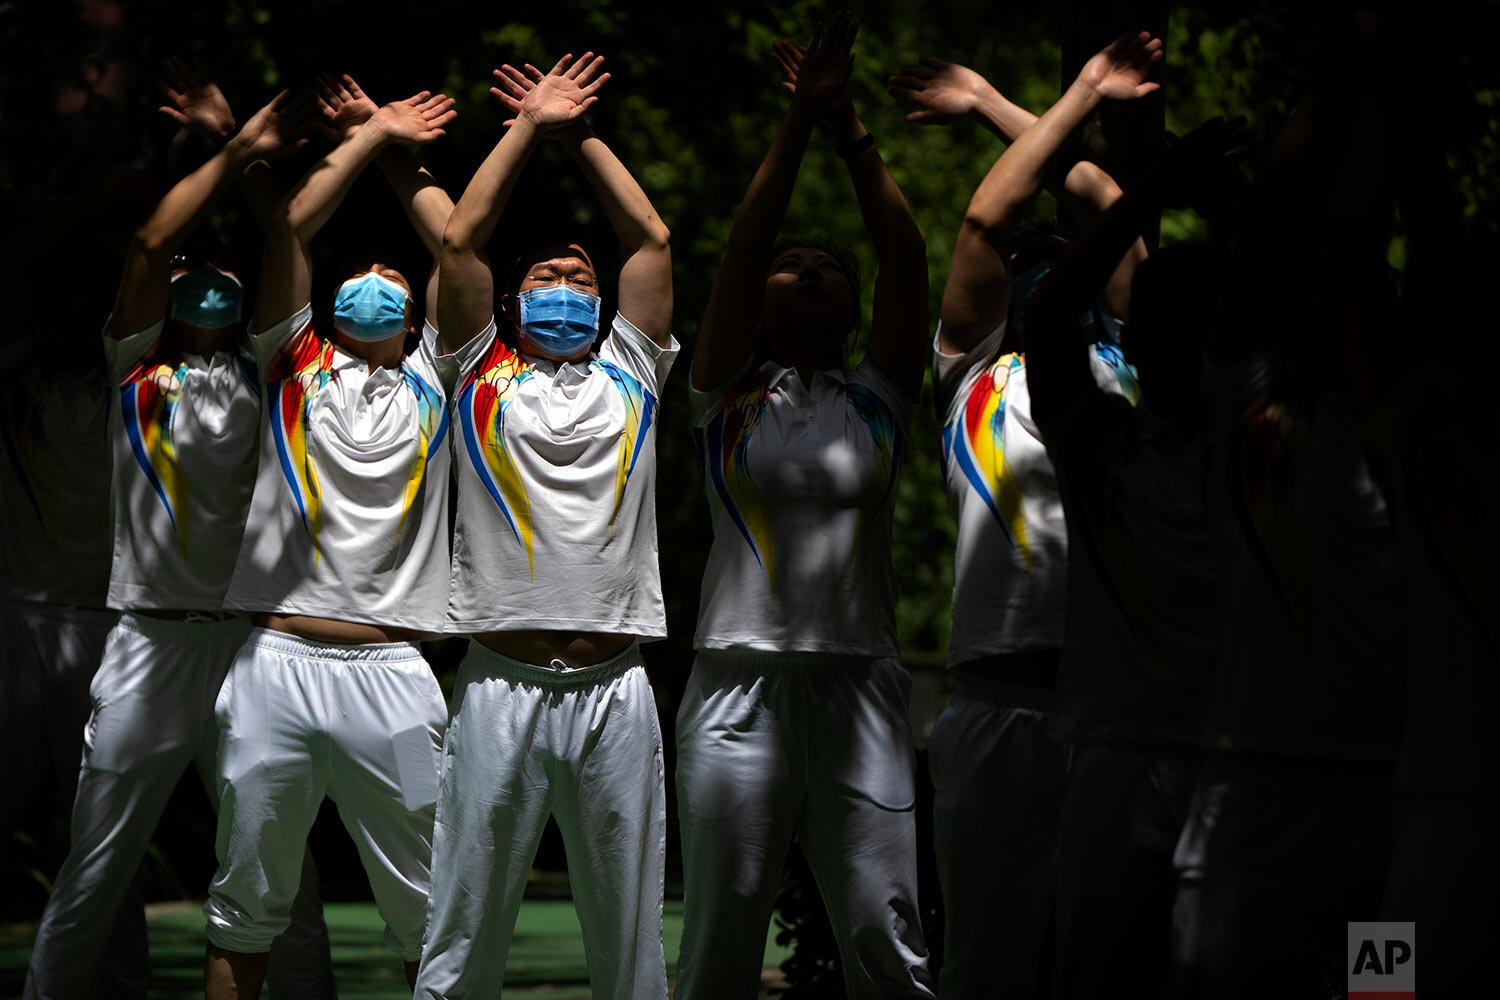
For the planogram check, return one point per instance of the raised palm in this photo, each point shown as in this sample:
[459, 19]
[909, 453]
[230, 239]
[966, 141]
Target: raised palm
[554, 99]
[1120, 72]
[822, 69]
[944, 92]
[417, 120]
[344, 106]
[195, 101]
[281, 127]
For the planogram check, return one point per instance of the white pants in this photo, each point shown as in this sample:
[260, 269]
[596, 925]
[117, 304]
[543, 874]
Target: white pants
[152, 717]
[998, 778]
[299, 720]
[772, 744]
[584, 746]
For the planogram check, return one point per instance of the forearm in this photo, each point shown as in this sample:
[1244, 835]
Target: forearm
[883, 208]
[310, 204]
[629, 211]
[185, 206]
[1002, 116]
[473, 220]
[422, 198]
[727, 335]
[1019, 174]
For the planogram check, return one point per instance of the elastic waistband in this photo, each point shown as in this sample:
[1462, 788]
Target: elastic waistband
[205, 627]
[485, 658]
[373, 652]
[1003, 693]
[765, 660]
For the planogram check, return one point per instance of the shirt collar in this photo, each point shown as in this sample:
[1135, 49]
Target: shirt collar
[775, 374]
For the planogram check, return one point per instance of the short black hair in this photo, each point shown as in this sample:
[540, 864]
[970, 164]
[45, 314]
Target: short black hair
[1034, 241]
[545, 250]
[843, 256]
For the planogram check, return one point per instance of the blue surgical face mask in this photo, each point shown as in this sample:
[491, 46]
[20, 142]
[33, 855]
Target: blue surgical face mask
[559, 319]
[206, 297]
[370, 308]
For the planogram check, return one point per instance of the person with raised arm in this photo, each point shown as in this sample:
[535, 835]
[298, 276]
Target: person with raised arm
[182, 428]
[794, 721]
[555, 572]
[1144, 586]
[998, 771]
[344, 566]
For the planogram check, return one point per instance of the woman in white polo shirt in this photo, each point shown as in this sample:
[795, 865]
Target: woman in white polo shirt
[343, 567]
[555, 571]
[795, 715]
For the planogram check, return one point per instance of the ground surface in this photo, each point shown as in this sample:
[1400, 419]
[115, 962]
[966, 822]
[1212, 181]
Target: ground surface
[546, 956]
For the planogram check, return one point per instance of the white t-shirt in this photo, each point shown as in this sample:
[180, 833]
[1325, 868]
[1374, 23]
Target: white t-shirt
[54, 488]
[1011, 561]
[801, 485]
[349, 520]
[556, 468]
[183, 432]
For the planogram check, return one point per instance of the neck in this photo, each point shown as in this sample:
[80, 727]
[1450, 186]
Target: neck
[385, 353]
[196, 340]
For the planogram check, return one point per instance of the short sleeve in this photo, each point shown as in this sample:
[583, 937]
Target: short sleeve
[427, 366]
[638, 354]
[445, 365]
[463, 360]
[703, 404]
[952, 374]
[283, 336]
[870, 376]
[123, 354]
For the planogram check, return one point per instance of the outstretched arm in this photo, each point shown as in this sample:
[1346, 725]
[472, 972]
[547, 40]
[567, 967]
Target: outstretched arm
[645, 287]
[275, 130]
[726, 338]
[977, 295]
[541, 103]
[898, 334]
[345, 108]
[286, 270]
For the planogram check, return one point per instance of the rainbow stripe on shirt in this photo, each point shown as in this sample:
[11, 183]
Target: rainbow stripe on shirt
[483, 399]
[722, 444]
[293, 380]
[974, 438]
[640, 414]
[886, 434]
[148, 407]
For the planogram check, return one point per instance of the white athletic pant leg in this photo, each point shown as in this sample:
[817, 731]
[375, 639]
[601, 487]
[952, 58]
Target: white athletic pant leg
[387, 750]
[272, 772]
[858, 825]
[998, 779]
[149, 696]
[492, 808]
[610, 804]
[301, 963]
[297, 719]
[739, 789]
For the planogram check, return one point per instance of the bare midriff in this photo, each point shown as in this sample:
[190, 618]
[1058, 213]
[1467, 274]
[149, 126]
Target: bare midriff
[1033, 667]
[332, 630]
[540, 646]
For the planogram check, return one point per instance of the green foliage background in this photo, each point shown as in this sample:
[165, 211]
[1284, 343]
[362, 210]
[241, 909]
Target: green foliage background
[692, 105]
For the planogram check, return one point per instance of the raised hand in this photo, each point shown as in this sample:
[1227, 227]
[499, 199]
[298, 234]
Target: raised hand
[789, 57]
[281, 127]
[552, 100]
[195, 101]
[417, 120]
[944, 92]
[1120, 71]
[343, 105]
[819, 76]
